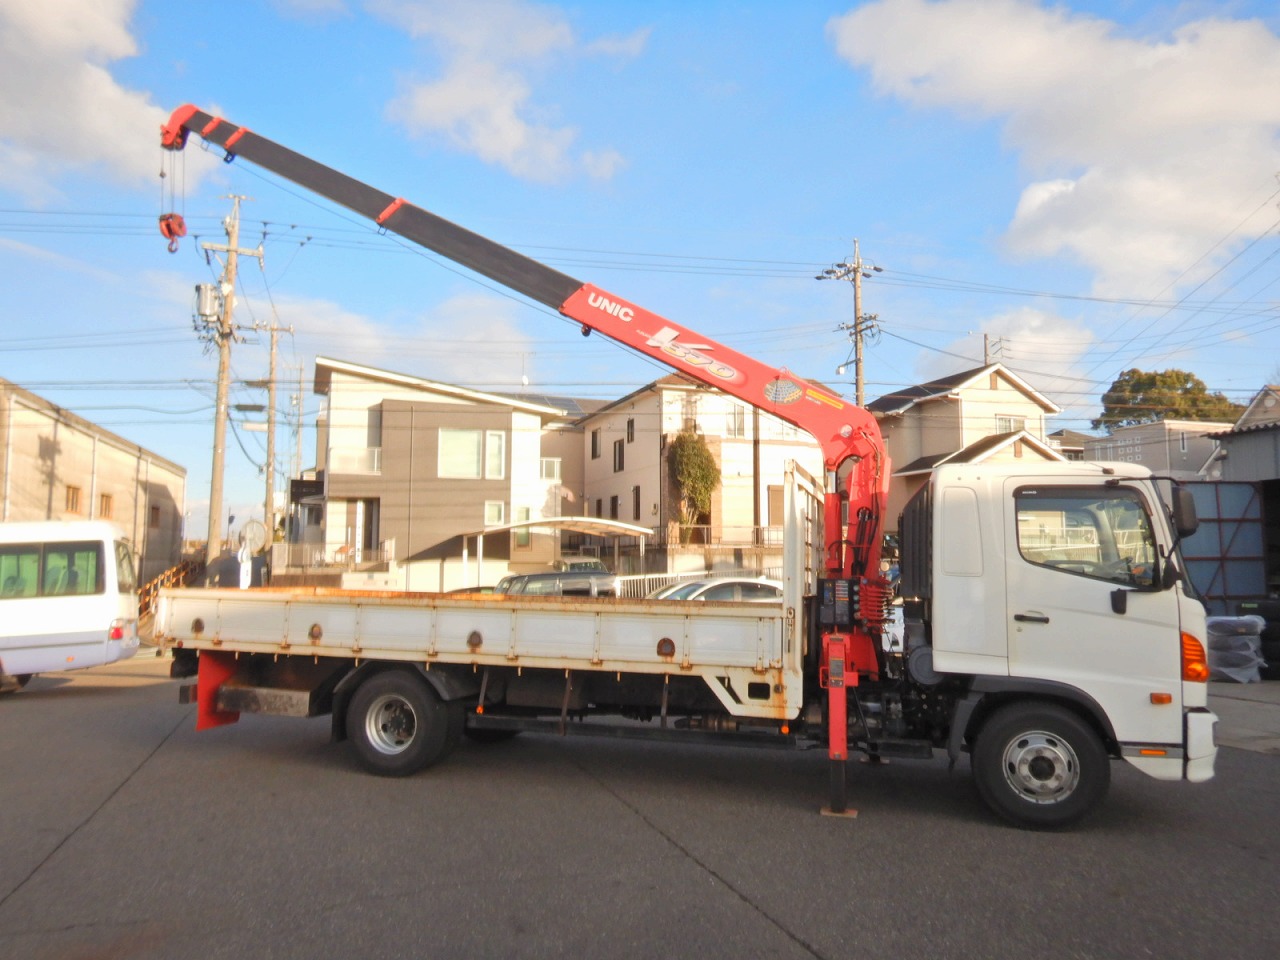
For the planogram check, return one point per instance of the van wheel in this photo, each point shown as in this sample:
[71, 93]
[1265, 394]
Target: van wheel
[398, 725]
[12, 684]
[1040, 766]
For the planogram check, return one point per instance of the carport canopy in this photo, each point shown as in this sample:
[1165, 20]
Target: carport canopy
[593, 526]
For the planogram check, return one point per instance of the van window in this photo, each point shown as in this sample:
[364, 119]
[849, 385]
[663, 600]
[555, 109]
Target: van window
[126, 576]
[19, 570]
[72, 569]
[51, 569]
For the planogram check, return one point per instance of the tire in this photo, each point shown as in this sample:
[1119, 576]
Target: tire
[12, 684]
[398, 725]
[1040, 766]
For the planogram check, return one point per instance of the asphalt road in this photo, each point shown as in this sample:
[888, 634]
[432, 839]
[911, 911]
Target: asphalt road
[124, 834]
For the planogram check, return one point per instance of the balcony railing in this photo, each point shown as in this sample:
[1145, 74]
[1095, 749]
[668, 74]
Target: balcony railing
[362, 460]
[690, 535]
[329, 557]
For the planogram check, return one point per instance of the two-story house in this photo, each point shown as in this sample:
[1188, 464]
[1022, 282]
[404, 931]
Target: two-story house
[984, 414]
[625, 473]
[409, 465]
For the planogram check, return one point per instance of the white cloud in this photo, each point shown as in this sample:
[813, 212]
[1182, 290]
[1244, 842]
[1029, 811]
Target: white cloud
[324, 327]
[314, 10]
[483, 100]
[71, 114]
[475, 338]
[1043, 348]
[622, 47]
[1137, 150]
[480, 108]
[469, 339]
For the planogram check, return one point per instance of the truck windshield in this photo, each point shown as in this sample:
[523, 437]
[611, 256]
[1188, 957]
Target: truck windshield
[1106, 535]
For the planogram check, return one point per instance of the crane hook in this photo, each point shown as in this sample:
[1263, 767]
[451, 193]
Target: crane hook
[172, 226]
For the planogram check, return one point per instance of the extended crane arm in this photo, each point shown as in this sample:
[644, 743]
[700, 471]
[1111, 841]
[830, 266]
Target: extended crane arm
[848, 434]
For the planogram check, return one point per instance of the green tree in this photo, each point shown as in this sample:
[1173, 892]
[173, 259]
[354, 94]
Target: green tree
[1139, 396]
[695, 475]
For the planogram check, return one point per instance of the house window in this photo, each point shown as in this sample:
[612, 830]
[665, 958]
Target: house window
[523, 537]
[689, 412]
[631, 429]
[613, 508]
[495, 513]
[460, 454]
[599, 507]
[595, 444]
[619, 458]
[777, 506]
[549, 468]
[495, 455]
[155, 518]
[1010, 424]
[736, 421]
[104, 506]
[635, 503]
[73, 499]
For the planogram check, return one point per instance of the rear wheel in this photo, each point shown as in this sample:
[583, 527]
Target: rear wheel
[398, 725]
[1040, 765]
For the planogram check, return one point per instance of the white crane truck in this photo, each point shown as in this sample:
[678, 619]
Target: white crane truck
[1050, 627]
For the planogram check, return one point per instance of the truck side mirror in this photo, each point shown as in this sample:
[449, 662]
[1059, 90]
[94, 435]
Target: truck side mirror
[1185, 520]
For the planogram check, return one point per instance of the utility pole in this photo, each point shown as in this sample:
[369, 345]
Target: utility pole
[297, 450]
[854, 270]
[269, 508]
[269, 504]
[223, 333]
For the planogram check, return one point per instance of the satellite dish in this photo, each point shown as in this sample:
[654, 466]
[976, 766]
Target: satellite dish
[254, 535]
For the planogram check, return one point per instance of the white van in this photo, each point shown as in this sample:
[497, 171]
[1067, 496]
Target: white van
[68, 598]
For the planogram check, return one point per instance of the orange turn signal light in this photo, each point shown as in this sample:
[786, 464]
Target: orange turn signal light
[1160, 699]
[1147, 752]
[1195, 668]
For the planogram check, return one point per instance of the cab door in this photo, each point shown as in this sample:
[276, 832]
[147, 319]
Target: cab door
[1085, 605]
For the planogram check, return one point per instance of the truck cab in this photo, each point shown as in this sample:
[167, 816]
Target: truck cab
[1059, 585]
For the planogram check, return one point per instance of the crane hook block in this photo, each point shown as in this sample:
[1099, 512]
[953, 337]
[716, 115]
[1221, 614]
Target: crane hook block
[172, 226]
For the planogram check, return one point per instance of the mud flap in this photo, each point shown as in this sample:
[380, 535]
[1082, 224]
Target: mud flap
[216, 668]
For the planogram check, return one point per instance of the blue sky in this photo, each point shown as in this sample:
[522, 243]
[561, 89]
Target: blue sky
[1091, 185]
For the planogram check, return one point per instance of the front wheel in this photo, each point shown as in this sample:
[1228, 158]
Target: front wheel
[1040, 765]
[398, 725]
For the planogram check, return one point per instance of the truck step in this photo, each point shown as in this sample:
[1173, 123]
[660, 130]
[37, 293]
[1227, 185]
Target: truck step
[277, 701]
[907, 749]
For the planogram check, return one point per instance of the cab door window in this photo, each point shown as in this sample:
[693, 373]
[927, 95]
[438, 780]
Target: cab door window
[1101, 534]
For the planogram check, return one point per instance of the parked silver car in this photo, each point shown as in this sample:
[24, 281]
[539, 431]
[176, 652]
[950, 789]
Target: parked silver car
[735, 589]
[567, 584]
